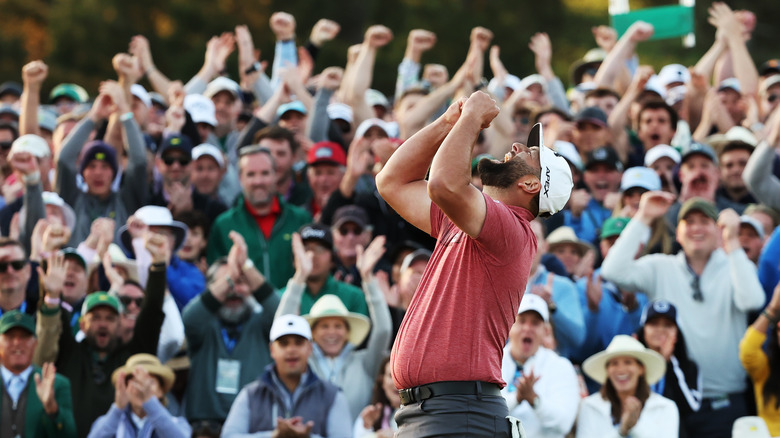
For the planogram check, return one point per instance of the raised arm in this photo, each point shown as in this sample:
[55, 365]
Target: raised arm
[450, 180]
[402, 180]
[33, 75]
[139, 48]
[722, 17]
[218, 49]
[356, 84]
[418, 41]
[618, 118]
[623, 50]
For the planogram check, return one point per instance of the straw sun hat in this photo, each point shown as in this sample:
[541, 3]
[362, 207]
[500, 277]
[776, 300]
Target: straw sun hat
[152, 366]
[623, 345]
[331, 306]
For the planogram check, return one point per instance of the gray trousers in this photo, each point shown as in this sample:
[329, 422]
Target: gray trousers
[454, 415]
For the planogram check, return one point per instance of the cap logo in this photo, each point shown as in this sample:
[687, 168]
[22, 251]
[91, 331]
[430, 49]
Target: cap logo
[547, 182]
[324, 152]
[661, 306]
[175, 141]
[600, 154]
[100, 156]
[312, 233]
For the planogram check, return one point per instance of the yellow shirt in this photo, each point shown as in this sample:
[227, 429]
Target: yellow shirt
[756, 364]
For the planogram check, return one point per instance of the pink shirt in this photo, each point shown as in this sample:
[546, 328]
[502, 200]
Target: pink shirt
[459, 319]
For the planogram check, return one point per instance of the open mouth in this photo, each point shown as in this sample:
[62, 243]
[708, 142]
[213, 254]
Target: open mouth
[655, 137]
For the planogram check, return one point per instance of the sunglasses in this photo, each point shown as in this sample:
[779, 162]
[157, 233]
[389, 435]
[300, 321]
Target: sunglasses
[6, 144]
[350, 230]
[697, 295]
[127, 300]
[17, 265]
[183, 161]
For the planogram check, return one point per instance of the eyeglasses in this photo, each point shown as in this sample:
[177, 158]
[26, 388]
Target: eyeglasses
[125, 300]
[697, 295]
[17, 265]
[182, 160]
[6, 144]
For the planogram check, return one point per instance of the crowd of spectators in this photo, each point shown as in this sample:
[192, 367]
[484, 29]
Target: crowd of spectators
[213, 258]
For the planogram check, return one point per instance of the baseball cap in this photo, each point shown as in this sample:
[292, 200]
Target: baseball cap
[222, 84]
[699, 149]
[604, 154]
[375, 97]
[31, 143]
[698, 204]
[350, 213]
[326, 152]
[730, 83]
[159, 99]
[657, 308]
[531, 80]
[768, 67]
[176, 142]
[592, 114]
[654, 85]
[15, 319]
[205, 149]
[592, 59]
[568, 151]
[10, 87]
[370, 123]
[613, 226]
[98, 150]
[317, 233]
[97, 299]
[555, 173]
[770, 82]
[420, 254]
[295, 105]
[7, 108]
[673, 73]
[284, 325]
[72, 91]
[534, 303]
[71, 253]
[642, 177]
[753, 222]
[201, 109]
[140, 92]
[338, 110]
[657, 152]
[676, 94]
[47, 120]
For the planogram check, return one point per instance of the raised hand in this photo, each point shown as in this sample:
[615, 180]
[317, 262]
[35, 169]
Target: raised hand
[525, 387]
[141, 387]
[545, 290]
[330, 78]
[542, 47]
[593, 291]
[324, 30]
[481, 107]
[127, 67]
[101, 108]
[44, 388]
[121, 397]
[136, 227]
[378, 36]
[640, 31]
[303, 259]
[115, 279]
[139, 48]
[367, 258]
[728, 222]
[282, 25]
[116, 93]
[237, 255]
[157, 245]
[217, 51]
[34, 73]
[24, 163]
[54, 277]
[653, 205]
[480, 38]
[605, 36]
[632, 407]
[55, 237]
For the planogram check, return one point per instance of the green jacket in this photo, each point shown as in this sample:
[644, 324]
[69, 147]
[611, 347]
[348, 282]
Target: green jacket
[37, 423]
[272, 257]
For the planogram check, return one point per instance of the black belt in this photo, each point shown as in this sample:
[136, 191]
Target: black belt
[470, 387]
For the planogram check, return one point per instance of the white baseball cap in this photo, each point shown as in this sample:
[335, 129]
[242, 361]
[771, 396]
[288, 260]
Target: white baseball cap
[753, 222]
[201, 109]
[659, 151]
[222, 84]
[370, 123]
[643, 177]
[534, 303]
[140, 92]
[555, 175]
[31, 143]
[290, 325]
[208, 150]
[673, 73]
[338, 110]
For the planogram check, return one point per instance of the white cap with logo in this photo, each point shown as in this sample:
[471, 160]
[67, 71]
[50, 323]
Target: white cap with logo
[534, 303]
[555, 175]
[290, 325]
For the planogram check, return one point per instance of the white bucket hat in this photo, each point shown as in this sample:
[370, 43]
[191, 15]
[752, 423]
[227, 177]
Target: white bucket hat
[155, 216]
[331, 306]
[623, 345]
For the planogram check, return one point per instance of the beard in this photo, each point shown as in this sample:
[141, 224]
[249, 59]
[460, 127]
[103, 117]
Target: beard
[237, 315]
[503, 174]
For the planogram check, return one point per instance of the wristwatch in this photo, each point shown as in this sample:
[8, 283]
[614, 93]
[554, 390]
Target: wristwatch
[248, 264]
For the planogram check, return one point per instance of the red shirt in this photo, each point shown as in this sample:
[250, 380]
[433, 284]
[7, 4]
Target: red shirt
[265, 222]
[459, 319]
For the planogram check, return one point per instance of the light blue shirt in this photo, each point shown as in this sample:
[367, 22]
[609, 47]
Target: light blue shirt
[15, 383]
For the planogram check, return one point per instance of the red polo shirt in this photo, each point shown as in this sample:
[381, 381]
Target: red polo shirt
[265, 222]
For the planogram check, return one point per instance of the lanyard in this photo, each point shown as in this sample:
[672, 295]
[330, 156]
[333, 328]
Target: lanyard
[230, 341]
[22, 308]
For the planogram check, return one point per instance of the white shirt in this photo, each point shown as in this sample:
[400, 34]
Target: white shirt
[659, 418]
[557, 388]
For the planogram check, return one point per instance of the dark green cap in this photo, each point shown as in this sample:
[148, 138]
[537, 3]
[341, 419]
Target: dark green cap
[71, 253]
[613, 226]
[96, 299]
[698, 204]
[15, 319]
